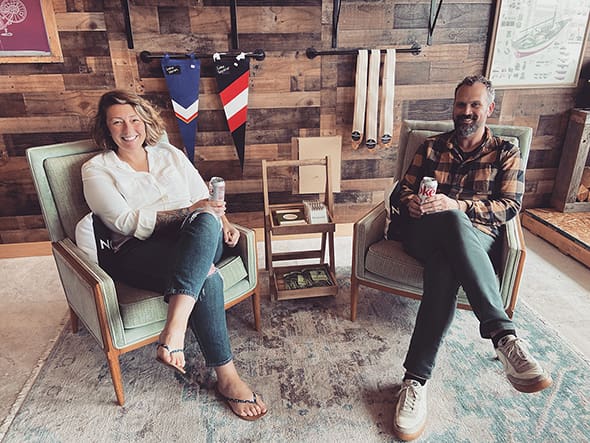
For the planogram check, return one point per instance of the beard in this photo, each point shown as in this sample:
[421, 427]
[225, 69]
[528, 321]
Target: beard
[463, 128]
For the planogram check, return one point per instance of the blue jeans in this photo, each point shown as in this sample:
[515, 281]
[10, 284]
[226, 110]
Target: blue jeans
[454, 254]
[178, 263]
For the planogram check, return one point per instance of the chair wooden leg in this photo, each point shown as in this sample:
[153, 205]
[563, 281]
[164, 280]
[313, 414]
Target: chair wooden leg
[256, 309]
[115, 369]
[73, 321]
[354, 296]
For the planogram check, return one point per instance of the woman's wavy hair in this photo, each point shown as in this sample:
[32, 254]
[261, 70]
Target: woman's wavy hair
[154, 125]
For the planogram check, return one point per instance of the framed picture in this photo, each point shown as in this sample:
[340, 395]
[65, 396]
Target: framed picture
[28, 32]
[538, 43]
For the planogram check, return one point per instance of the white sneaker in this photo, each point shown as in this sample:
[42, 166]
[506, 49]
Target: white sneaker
[410, 411]
[521, 368]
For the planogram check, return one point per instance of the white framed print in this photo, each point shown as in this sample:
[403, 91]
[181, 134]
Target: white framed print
[538, 43]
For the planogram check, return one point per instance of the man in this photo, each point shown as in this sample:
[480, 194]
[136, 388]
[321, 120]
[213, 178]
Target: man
[453, 233]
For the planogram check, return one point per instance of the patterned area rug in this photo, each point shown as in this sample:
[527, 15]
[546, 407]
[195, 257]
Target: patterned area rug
[325, 379]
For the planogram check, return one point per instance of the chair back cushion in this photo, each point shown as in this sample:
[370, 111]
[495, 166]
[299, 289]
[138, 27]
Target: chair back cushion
[65, 180]
[60, 194]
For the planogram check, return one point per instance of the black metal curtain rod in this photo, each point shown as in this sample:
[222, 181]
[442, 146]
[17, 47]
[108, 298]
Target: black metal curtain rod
[147, 56]
[312, 52]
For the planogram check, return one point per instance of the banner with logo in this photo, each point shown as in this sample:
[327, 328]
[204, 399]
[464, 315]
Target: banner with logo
[233, 75]
[182, 77]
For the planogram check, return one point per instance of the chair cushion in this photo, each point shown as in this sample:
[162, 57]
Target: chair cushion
[140, 307]
[232, 271]
[85, 237]
[65, 180]
[387, 259]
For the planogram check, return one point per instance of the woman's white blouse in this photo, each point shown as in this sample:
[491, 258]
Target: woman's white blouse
[127, 200]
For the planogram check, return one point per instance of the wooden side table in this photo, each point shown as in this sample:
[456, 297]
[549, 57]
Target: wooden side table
[293, 281]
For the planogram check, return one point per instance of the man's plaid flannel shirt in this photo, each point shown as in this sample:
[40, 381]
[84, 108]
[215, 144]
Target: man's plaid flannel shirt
[490, 180]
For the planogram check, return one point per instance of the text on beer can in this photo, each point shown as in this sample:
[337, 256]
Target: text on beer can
[217, 189]
[427, 188]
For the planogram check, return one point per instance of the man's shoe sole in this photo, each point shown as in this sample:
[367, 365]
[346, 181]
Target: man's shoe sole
[407, 437]
[535, 387]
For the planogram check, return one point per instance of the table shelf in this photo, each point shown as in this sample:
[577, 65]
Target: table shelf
[278, 288]
[283, 292]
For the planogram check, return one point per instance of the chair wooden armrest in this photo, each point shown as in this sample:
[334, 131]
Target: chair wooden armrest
[246, 248]
[366, 231]
[90, 292]
[512, 263]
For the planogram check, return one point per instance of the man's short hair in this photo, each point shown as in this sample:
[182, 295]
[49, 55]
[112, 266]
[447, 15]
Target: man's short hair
[472, 79]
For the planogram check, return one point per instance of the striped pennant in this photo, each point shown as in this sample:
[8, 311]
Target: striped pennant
[233, 75]
[235, 101]
[182, 78]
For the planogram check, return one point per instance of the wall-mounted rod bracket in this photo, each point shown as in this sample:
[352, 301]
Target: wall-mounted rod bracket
[127, 20]
[147, 56]
[335, 20]
[233, 13]
[415, 49]
[432, 19]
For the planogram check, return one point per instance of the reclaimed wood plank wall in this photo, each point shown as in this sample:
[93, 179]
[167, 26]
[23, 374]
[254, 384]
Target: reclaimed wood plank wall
[290, 95]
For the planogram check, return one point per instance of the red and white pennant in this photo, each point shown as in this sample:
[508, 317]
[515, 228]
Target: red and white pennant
[235, 101]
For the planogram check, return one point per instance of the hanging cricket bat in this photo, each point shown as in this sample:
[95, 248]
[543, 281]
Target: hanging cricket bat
[387, 103]
[360, 98]
[373, 98]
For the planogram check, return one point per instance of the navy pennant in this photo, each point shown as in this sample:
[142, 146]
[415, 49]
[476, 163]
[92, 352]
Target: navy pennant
[232, 81]
[182, 77]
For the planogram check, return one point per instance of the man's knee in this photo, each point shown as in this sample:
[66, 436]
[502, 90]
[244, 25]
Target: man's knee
[455, 217]
[453, 223]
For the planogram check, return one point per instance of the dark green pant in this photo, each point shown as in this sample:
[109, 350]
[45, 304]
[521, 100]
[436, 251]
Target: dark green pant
[454, 254]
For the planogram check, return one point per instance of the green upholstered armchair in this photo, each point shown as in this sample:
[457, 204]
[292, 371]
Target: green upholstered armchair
[119, 317]
[383, 264]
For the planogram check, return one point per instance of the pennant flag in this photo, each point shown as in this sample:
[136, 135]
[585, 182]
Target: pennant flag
[182, 77]
[233, 77]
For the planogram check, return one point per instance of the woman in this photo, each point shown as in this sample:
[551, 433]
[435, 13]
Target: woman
[166, 235]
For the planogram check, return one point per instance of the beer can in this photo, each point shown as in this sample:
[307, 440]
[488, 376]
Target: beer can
[217, 189]
[427, 188]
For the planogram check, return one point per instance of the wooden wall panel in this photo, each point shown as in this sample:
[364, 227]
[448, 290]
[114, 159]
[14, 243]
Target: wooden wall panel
[289, 96]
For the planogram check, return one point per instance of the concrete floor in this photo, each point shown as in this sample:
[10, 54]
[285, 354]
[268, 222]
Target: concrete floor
[33, 308]
[33, 311]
